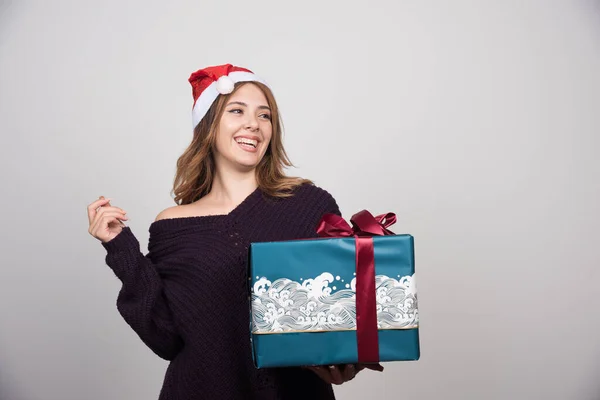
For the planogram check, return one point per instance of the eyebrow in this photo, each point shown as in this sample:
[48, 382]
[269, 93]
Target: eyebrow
[246, 105]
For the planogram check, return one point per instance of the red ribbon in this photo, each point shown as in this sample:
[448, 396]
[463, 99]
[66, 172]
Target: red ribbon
[364, 227]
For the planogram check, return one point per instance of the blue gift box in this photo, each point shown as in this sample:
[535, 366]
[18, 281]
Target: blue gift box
[303, 301]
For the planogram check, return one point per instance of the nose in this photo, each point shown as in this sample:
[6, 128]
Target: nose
[251, 122]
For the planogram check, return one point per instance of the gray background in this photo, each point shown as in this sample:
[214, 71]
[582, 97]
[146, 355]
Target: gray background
[477, 122]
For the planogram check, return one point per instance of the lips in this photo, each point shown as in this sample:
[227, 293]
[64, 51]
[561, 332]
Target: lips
[247, 143]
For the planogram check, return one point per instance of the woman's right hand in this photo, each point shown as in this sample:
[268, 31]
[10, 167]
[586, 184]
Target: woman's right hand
[105, 220]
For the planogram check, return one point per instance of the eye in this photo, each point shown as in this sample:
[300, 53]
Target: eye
[266, 116]
[235, 111]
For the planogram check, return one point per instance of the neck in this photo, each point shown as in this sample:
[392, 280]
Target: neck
[230, 187]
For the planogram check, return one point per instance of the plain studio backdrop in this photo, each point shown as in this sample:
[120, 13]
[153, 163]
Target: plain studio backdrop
[476, 122]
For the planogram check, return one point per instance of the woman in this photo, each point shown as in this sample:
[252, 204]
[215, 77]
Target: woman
[187, 299]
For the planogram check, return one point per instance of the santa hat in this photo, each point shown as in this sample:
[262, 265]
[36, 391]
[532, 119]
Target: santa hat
[208, 83]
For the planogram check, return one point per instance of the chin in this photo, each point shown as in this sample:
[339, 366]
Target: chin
[249, 164]
[241, 161]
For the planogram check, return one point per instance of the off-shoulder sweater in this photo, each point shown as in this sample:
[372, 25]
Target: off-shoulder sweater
[188, 300]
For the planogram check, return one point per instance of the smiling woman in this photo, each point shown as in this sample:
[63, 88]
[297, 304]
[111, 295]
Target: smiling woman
[248, 113]
[188, 299]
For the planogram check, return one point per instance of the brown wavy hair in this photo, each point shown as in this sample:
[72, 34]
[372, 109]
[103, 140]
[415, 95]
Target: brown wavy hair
[196, 166]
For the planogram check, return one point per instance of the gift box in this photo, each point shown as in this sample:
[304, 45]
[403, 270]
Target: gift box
[348, 296]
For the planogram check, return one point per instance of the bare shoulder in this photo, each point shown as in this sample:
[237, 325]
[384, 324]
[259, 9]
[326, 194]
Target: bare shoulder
[167, 213]
[197, 209]
[173, 212]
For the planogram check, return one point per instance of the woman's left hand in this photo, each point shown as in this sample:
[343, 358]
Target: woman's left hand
[336, 374]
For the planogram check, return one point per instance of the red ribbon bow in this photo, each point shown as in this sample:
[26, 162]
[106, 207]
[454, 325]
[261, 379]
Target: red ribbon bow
[364, 227]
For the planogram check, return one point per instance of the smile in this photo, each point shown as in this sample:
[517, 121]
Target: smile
[247, 144]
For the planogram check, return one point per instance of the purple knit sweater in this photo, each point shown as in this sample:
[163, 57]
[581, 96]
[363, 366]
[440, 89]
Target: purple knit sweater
[188, 299]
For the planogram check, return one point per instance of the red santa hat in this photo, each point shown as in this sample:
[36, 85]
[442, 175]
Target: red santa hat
[208, 83]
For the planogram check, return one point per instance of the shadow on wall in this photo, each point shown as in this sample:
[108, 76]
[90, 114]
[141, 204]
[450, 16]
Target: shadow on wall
[594, 8]
[7, 13]
[7, 8]
[8, 390]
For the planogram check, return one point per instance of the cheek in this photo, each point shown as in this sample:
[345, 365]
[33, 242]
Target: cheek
[222, 140]
[226, 131]
[268, 134]
[226, 127]
[231, 122]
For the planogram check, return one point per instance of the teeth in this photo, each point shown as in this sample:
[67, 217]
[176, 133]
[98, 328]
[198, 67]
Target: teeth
[250, 142]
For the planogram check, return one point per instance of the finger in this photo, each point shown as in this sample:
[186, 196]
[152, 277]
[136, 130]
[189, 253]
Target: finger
[374, 367]
[102, 224]
[336, 375]
[108, 204]
[107, 211]
[92, 208]
[103, 219]
[104, 209]
[349, 372]
[102, 230]
[101, 201]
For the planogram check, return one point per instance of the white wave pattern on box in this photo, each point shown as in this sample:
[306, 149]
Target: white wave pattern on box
[315, 305]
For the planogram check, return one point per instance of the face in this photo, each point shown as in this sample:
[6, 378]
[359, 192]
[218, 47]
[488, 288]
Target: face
[244, 130]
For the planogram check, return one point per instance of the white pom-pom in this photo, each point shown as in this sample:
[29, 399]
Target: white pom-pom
[225, 85]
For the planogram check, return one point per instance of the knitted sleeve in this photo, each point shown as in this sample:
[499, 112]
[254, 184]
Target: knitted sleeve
[331, 205]
[323, 203]
[312, 203]
[141, 300]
